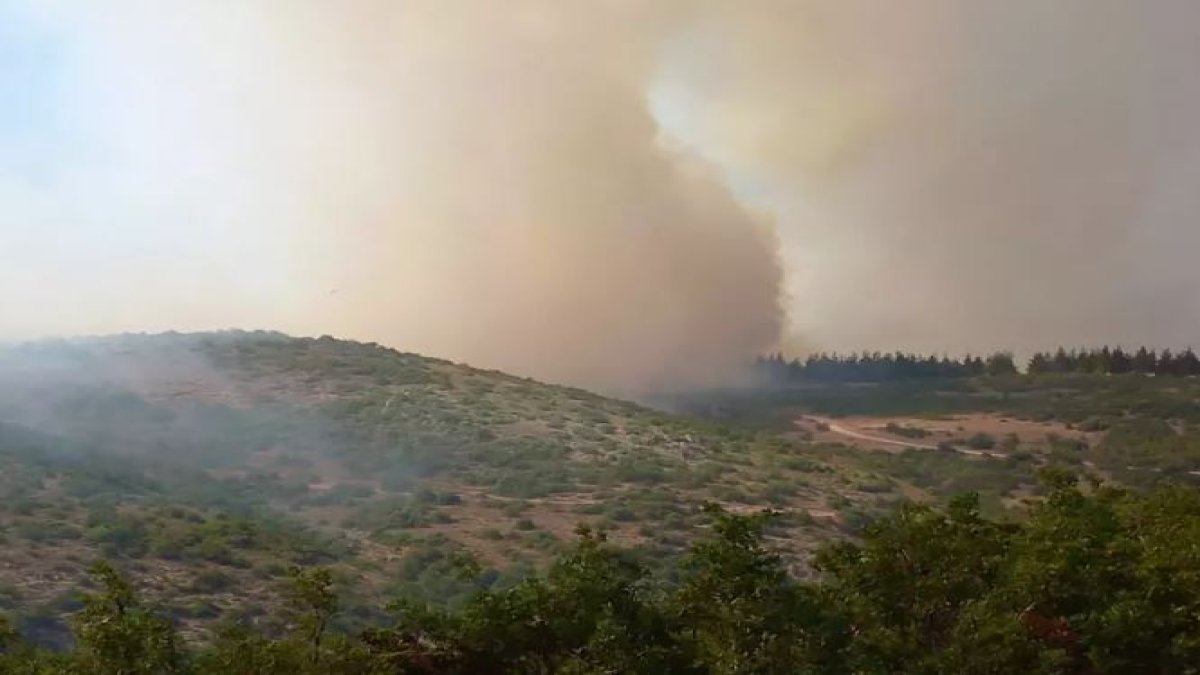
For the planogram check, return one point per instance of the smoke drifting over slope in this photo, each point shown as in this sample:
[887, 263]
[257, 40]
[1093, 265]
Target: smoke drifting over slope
[593, 191]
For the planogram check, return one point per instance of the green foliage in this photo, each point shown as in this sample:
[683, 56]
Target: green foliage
[909, 580]
[981, 441]
[214, 493]
[877, 367]
[949, 473]
[117, 635]
[9, 637]
[312, 599]
[742, 612]
[1147, 451]
[1116, 361]
[1068, 397]
[1088, 584]
[1096, 579]
[906, 431]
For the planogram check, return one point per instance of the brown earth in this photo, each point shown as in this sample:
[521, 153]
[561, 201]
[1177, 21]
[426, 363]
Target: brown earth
[949, 429]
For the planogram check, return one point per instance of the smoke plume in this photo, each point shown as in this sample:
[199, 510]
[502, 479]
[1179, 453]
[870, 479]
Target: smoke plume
[603, 192]
[962, 175]
[477, 180]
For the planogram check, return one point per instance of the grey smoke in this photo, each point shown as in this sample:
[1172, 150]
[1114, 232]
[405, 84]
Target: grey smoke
[610, 192]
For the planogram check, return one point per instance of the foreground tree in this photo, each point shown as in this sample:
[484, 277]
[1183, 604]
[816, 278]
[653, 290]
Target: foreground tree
[118, 635]
[1090, 579]
[594, 611]
[741, 611]
[1095, 580]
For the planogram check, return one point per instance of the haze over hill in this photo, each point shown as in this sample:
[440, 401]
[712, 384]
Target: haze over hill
[627, 195]
[817, 241]
[209, 462]
[206, 465]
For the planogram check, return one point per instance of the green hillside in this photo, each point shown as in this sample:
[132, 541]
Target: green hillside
[226, 474]
[209, 463]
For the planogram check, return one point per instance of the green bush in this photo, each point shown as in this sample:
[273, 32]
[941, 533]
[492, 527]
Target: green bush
[981, 441]
[921, 590]
[212, 581]
[907, 431]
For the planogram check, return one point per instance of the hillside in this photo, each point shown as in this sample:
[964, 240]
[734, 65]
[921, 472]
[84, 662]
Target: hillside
[1135, 429]
[207, 464]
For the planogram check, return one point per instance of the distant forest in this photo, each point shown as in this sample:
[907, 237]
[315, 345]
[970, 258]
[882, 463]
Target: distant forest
[885, 367]
[1116, 361]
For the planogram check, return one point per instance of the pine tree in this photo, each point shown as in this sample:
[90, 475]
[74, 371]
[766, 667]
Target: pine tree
[1119, 362]
[1065, 363]
[1188, 363]
[1145, 361]
[1166, 363]
[1001, 363]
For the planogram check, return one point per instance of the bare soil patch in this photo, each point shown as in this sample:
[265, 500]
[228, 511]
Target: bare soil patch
[952, 429]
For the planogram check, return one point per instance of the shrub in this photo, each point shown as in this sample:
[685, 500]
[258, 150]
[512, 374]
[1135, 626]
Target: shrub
[211, 581]
[906, 431]
[981, 441]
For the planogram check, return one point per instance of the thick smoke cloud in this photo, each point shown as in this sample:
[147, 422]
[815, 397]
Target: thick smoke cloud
[592, 190]
[958, 175]
[477, 180]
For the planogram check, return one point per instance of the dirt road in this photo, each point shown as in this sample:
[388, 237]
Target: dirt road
[860, 436]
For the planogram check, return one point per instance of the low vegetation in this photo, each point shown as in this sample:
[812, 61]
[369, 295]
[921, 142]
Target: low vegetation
[906, 431]
[1094, 579]
[210, 463]
[316, 505]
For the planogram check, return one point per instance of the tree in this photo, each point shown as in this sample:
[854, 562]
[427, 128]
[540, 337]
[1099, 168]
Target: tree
[1145, 361]
[1001, 363]
[1119, 362]
[593, 611]
[1092, 579]
[312, 597]
[1166, 363]
[236, 649]
[743, 612]
[9, 638]
[1065, 363]
[906, 585]
[117, 635]
[1187, 363]
[19, 657]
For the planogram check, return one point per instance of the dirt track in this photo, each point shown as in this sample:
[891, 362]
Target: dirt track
[855, 434]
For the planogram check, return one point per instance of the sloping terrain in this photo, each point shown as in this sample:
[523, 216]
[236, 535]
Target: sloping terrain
[987, 434]
[208, 463]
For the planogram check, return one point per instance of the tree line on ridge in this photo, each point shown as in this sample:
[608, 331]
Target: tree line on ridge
[827, 367]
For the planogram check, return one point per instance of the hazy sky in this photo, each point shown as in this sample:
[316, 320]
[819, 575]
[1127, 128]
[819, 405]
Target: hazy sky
[622, 194]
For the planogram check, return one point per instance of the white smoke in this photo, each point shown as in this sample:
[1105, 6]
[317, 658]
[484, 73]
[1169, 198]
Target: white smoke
[594, 191]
